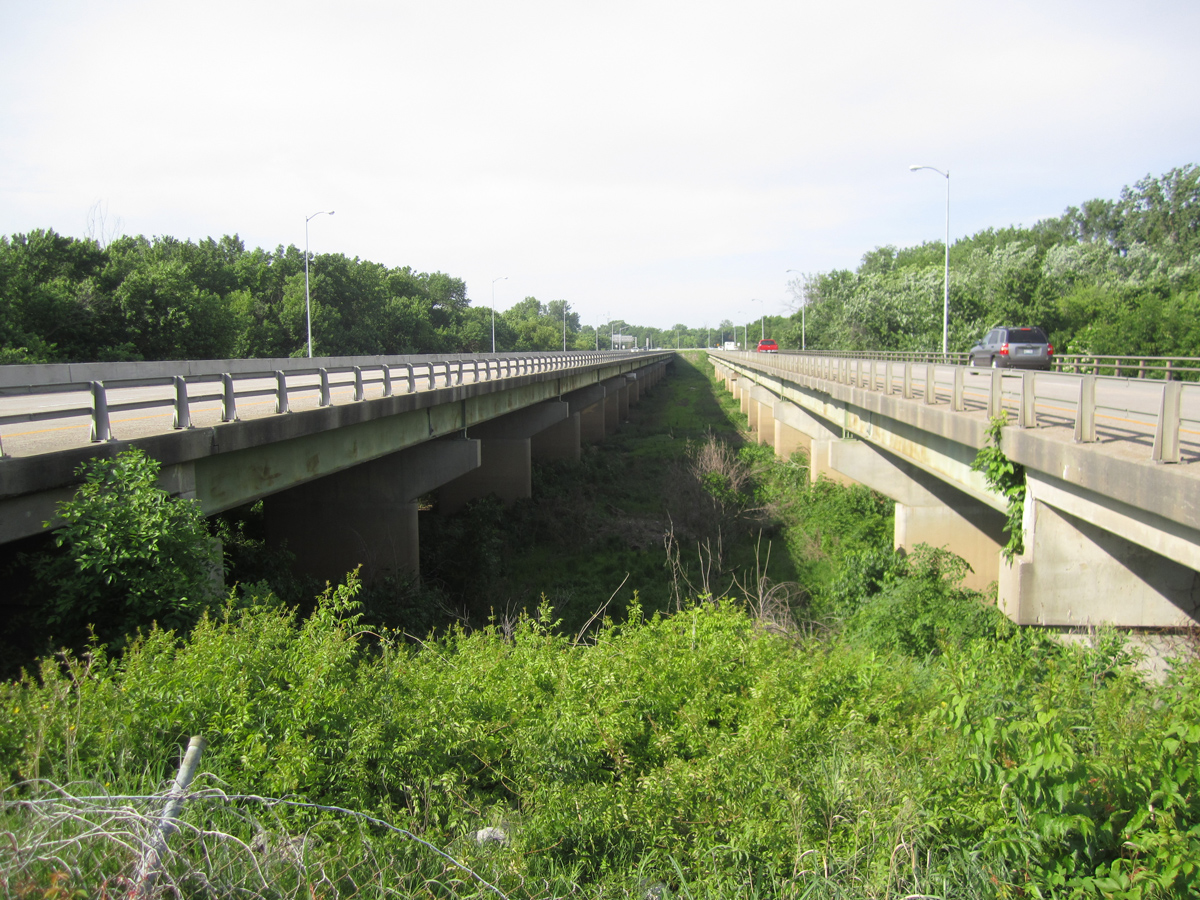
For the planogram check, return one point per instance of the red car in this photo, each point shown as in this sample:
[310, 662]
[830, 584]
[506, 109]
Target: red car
[766, 345]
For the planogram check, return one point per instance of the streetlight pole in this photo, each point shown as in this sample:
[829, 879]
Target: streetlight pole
[564, 326]
[803, 305]
[494, 280]
[307, 300]
[946, 276]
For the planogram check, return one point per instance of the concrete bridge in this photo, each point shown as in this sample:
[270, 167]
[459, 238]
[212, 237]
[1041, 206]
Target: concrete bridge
[340, 450]
[1112, 511]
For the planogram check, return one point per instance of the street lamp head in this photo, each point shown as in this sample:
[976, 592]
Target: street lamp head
[914, 167]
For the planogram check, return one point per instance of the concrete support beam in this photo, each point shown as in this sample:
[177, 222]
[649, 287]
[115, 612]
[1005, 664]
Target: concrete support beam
[612, 412]
[365, 515]
[559, 441]
[634, 382]
[505, 456]
[788, 440]
[928, 511]
[762, 403]
[584, 398]
[591, 423]
[504, 470]
[1077, 570]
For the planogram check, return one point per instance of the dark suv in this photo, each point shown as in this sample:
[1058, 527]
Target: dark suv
[1010, 347]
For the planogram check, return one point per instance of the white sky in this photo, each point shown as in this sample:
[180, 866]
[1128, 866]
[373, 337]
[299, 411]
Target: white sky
[657, 162]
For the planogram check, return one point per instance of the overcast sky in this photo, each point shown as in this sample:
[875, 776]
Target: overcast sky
[657, 162]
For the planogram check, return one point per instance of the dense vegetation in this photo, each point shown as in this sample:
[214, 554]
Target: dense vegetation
[870, 729]
[1108, 277]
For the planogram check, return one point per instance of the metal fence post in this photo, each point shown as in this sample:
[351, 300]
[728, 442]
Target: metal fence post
[1085, 411]
[100, 426]
[228, 399]
[183, 415]
[281, 397]
[1166, 434]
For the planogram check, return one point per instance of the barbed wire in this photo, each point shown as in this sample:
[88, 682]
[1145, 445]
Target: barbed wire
[93, 841]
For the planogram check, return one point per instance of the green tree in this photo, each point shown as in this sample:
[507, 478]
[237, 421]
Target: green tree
[130, 554]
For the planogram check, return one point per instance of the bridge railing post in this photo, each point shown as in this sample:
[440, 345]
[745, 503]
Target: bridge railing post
[996, 394]
[324, 400]
[1028, 412]
[387, 380]
[957, 398]
[228, 399]
[1085, 411]
[358, 383]
[183, 414]
[281, 393]
[888, 378]
[930, 383]
[1166, 433]
[908, 379]
[101, 430]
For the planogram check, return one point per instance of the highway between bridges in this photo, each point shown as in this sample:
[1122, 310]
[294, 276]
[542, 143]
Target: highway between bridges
[1112, 512]
[339, 449]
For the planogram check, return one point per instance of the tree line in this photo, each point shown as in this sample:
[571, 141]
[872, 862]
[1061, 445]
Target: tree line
[1107, 277]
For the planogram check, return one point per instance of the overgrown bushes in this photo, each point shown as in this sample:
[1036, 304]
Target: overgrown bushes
[698, 749]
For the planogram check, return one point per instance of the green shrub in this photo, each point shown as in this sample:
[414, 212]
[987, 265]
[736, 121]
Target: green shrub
[130, 554]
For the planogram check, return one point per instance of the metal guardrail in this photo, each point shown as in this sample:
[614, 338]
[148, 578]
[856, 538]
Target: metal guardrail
[210, 381]
[1141, 407]
[1186, 368]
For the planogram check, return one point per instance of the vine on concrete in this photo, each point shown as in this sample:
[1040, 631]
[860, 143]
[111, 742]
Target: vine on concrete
[1008, 479]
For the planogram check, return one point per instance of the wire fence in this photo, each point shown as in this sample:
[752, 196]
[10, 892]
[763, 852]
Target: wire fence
[75, 841]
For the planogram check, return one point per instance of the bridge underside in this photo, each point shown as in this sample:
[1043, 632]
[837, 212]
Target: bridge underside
[341, 484]
[1089, 559]
[367, 515]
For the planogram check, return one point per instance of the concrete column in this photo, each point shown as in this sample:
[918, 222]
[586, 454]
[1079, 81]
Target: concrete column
[559, 441]
[928, 510]
[623, 402]
[591, 423]
[612, 412]
[635, 389]
[762, 404]
[505, 455]
[365, 515]
[968, 529]
[503, 471]
[788, 440]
